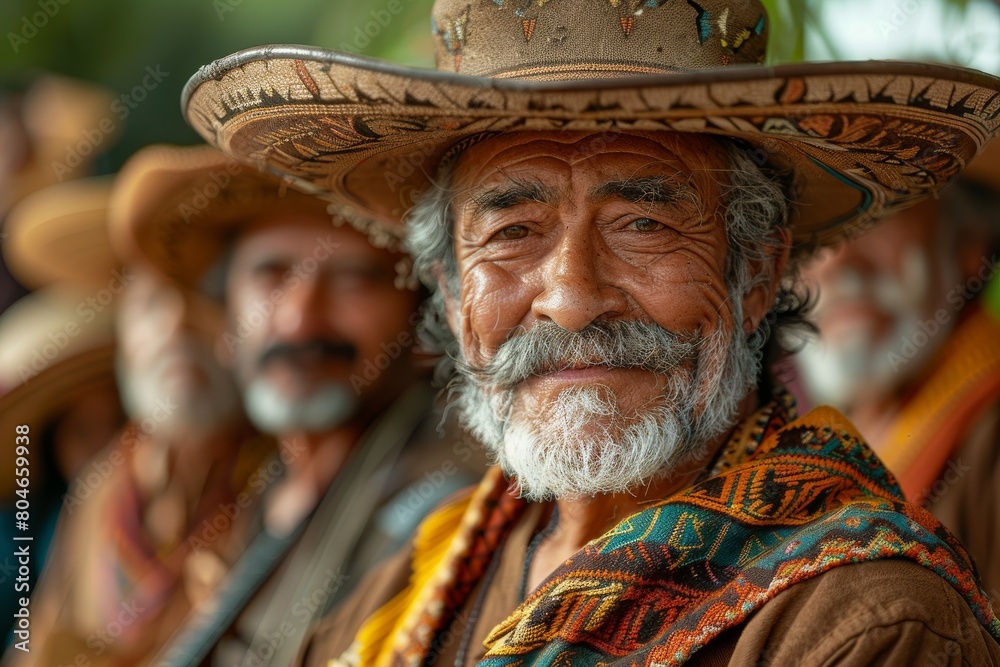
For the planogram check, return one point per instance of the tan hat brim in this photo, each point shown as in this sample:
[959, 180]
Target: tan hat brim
[46, 396]
[60, 235]
[178, 206]
[862, 139]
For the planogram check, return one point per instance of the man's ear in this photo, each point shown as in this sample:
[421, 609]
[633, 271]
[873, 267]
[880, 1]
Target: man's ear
[759, 300]
[452, 307]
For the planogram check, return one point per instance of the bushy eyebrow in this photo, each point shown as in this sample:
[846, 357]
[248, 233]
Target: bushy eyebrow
[509, 196]
[652, 190]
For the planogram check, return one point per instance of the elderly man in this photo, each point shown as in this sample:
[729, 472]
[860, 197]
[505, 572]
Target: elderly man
[65, 407]
[611, 266]
[127, 560]
[125, 569]
[57, 380]
[320, 334]
[910, 351]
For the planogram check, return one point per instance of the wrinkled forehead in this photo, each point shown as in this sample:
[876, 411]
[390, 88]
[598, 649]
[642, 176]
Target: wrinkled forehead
[692, 158]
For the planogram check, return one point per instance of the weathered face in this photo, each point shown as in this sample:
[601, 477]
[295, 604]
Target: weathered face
[317, 327]
[171, 381]
[874, 292]
[577, 231]
[550, 229]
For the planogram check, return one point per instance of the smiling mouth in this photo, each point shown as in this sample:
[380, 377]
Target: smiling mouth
[579, 365]
[579, 372]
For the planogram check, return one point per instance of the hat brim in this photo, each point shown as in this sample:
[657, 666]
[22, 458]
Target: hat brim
[60, 235]
[178, 206]
[861, 139]
[44, 397]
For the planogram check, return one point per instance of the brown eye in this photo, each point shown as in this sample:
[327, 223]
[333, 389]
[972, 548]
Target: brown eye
[513, 232]
[647, 225]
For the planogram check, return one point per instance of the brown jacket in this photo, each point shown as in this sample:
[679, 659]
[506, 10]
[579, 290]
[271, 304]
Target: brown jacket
[433, 463]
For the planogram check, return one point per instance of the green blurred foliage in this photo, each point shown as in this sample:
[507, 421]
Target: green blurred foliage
[113, 41]
[792, 20]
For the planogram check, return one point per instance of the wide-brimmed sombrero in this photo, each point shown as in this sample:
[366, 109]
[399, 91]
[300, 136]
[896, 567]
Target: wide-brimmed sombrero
[861, 138]
[60, 235]
[179, 206]
[54, 348]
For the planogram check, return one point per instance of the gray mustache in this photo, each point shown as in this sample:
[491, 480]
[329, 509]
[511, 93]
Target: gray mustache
[548, 348]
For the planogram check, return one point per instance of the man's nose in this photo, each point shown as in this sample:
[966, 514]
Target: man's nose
[576, 291]
[302, 315]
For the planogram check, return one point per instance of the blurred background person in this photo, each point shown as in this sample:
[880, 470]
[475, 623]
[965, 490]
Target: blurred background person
[58, 380]
[910, 351]
[139, 541]
[320, 333]
[56, 352]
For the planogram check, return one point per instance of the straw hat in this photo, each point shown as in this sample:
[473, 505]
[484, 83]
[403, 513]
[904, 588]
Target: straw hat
[54, 348]
[179, 206]
[60, 235]
[860, 138]
[57, 344]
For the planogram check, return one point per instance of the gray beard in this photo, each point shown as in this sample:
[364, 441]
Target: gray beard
[323, 410]
[173, 410]
[582, 444]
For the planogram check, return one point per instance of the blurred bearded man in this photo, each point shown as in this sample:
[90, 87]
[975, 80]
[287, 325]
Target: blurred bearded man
[910, 349]
[129, 562]
[320, 333]
[611, 263]
[57, 380]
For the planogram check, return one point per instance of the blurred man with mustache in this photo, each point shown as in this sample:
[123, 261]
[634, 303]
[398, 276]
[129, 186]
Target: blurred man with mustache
[57, 379]
[131, 559]
[910, 349]
[327, 405]
[610, 244]
[320, 334]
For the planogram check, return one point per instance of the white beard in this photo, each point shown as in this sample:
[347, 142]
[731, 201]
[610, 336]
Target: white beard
[553, 458]
[194, 409]
[582, 444]
[271, 411]
[834, 374]
[836, 371]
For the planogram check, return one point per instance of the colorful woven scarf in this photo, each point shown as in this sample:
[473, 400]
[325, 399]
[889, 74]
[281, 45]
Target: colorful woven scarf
[135, 569]
[932, 425]
[787, 501]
